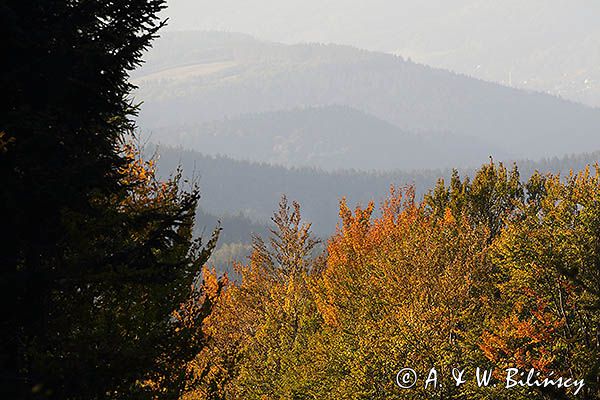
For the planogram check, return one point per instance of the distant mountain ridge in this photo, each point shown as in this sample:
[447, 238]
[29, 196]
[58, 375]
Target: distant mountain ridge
[253, 189]
[331, 137]
[545, 45]
[230, 75]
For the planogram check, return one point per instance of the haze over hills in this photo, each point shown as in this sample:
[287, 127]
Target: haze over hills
[231, 187]
[331, 137]
[545, 45]
[195, 78]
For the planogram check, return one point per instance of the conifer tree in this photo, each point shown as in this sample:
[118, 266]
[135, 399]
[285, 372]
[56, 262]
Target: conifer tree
[97, 254]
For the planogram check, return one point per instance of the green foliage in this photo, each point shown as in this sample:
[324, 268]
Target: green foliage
[548, 271]
[259, 330]
[488, 200]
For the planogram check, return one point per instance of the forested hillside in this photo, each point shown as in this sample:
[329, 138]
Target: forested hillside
[254, 189]
[329, 137]
[194, 77]
[545, 45]
[319, 192]
[134, 271]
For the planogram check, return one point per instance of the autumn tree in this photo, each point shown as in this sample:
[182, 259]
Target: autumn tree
[400, 291]
[260, 328]
[548, 276]
[487, 200]
[488, 272]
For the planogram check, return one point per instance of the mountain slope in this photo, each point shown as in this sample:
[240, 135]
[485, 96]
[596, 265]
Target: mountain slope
[546, 45]
[253, 189]
[229, 75]
[330, 137]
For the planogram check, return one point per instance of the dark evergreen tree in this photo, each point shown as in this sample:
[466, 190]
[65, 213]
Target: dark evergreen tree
[96, 255]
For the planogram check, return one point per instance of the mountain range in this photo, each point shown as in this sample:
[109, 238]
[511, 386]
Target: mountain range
[210, 89]
[545, 45]
[233, 189]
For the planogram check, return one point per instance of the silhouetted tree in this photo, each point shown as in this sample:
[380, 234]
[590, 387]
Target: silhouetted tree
[97, 254]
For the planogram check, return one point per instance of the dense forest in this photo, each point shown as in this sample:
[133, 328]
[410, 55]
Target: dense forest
[261, 184]
[109, 292]
[488, 272]
[318, 191]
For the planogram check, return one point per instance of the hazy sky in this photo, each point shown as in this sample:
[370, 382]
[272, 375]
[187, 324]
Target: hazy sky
[391, 25]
